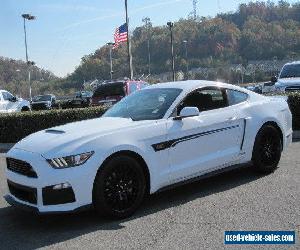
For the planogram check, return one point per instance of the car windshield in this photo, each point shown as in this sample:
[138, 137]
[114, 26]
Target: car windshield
[147, 104]
[42, 98]
[290, 71]
[110, 89]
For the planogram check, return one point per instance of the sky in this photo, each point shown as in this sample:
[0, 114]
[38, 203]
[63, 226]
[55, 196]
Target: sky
[66, 30]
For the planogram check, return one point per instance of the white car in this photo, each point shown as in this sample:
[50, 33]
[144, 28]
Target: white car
[287, 81]
[10, 103]
[155, 138]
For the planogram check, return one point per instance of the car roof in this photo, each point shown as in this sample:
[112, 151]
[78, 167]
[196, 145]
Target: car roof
[194, 84]
[293, 63]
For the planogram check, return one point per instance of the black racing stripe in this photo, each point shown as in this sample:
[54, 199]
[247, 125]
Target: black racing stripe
[172, 143]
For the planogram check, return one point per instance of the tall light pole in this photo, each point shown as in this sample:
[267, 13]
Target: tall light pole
[171, 25]
[186, 57]
[146, 20]
[128, 43]
[29, 63]
[110, 44]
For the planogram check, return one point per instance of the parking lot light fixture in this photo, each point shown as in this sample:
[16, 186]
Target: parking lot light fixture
[171, 25]
[110, 44]
[28, 17]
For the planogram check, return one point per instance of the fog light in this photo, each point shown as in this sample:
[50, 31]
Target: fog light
[61, 186]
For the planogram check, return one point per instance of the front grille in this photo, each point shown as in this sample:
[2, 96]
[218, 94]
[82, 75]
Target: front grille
[20, 167]
[292, 88]
[23, 193]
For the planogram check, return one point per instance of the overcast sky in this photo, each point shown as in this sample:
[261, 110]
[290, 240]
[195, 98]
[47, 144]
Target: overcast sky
[66, 30]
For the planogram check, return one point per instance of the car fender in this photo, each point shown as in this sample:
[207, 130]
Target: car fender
[134, 149]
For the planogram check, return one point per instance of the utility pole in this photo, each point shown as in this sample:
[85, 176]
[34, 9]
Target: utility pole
[195, 9]
[128, 44]
[29, 63]
[111, 44]
[186, 58]
[147, 22]
[171, 25]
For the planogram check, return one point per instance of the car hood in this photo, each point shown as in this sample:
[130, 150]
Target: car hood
[70, 137]
[288, 81]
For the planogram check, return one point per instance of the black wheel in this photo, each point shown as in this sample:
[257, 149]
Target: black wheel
[119, 187]
[267, 149]
[25, 109]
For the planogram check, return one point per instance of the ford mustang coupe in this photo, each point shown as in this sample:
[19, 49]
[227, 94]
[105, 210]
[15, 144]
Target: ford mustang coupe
[157, 137]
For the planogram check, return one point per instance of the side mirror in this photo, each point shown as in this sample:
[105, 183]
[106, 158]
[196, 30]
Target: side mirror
[187, 112]
[274, 79]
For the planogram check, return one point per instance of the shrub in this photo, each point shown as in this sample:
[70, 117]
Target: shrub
[15, 126]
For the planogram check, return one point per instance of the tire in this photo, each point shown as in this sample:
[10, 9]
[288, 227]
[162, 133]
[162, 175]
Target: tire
[25, 108]
[267, 149]
[119, 187]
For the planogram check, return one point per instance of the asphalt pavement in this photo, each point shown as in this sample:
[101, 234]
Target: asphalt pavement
[193, 216]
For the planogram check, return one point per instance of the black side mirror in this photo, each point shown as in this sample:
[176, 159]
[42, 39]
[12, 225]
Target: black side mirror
[274, 79]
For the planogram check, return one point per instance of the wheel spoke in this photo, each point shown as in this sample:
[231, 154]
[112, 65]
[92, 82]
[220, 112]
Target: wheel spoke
[121, 188]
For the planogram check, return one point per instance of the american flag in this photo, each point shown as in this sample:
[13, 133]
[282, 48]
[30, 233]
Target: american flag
[120, 35]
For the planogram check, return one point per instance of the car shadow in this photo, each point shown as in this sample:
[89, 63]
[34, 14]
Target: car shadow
[20, 229]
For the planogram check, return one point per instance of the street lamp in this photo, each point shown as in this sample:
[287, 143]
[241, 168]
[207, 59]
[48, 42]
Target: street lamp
[110, 44]
[186, 57]
[29, 63]
[171, 25]
[147, 22]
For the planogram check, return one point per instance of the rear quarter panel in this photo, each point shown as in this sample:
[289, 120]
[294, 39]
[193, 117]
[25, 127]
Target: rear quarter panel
[260, 110]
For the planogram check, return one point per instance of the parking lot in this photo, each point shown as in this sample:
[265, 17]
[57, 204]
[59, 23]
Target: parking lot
[193, 216]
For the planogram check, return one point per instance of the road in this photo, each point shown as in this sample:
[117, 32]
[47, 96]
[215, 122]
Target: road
[193, 216]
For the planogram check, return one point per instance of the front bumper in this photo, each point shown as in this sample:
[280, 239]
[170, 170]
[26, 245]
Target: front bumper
[39, 193]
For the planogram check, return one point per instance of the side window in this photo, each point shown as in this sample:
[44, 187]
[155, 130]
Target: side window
[235, 97]
[7, 96]
[205, 99]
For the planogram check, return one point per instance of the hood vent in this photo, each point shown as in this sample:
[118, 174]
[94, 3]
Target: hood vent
[55, 131]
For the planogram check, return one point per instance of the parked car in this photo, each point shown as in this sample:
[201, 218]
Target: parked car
[155, 138]
[109, 93]
[82, 99]
[10, 103]
[256, 88]
[288, 79]
[44, 102]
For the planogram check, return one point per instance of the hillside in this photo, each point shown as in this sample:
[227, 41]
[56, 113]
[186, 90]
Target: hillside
[14, 77]
[256, 31]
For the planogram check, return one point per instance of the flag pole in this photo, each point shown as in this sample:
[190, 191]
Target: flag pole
[128, 44]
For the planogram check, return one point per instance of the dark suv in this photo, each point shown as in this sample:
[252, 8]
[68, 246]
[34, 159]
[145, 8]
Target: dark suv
[82, 99]
[108, 93]
[44, 102]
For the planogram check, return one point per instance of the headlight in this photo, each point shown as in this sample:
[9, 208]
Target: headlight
[70, 161]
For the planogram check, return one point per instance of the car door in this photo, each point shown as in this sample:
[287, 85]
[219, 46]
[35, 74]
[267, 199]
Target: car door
[5, 102]
[8, 97]
[206, 142]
